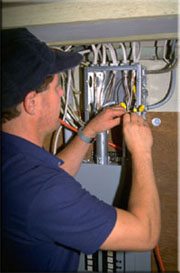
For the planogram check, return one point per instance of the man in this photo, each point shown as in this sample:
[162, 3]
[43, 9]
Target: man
[48, 219]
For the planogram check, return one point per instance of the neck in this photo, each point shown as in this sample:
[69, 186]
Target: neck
[25, 130]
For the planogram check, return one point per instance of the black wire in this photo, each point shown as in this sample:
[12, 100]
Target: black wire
[165, 69]
[156, 260]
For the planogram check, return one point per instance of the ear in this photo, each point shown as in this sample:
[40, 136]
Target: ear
[30, 102]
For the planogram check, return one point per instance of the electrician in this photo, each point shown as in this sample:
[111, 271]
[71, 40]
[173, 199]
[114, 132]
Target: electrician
[47, 217]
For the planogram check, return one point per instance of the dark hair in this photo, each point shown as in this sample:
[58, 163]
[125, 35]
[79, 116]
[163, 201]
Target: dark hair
[12, 112]
[45, 84]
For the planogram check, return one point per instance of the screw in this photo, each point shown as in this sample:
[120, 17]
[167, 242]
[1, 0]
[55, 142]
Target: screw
[156, 122]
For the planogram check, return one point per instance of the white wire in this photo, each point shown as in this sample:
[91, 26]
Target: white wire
[76, 102]
[125, 75]
[83, 52]
[113, 54]
[136, 58]
[112, 85]
[95, 50]
[134, 51]
[68, 48]
[124, 53]
[62, 76]
[57, 47]
[67, 94]
[73, 115]
[69, 118]
[139, 53]
[65, 112]
[128, 95]
[104, 55]
[101, 97]
[107, 86]
[114, 57]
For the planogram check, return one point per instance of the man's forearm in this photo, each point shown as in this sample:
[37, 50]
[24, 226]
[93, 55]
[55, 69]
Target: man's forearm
[144, 200]
[73, 154]
[138, 228]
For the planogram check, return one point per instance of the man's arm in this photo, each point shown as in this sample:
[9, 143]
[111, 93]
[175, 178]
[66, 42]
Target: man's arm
[74, 152]
[138, 228]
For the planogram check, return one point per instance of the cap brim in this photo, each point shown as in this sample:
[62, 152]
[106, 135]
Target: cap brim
[65, 60]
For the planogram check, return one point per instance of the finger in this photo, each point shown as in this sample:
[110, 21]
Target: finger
[120, 110]
[118, 107]
[118, 116]
[114, 112]
[136, 118]
[145, 123]
[126, 118]
[116, 121]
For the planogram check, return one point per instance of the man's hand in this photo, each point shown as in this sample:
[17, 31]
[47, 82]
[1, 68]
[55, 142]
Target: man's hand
[137, 134]
[105, 120]
[75, 151]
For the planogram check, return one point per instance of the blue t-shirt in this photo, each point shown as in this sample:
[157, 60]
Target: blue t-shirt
[47, 217]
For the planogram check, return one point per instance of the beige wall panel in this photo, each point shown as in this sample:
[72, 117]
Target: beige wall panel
[30, 13]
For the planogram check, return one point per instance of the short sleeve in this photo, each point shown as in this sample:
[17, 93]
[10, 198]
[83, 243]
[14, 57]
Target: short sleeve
[65, 213]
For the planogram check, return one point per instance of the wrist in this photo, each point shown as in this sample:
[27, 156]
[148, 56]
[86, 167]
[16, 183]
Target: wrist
[89, 132]
[139, 155]
[85, 136]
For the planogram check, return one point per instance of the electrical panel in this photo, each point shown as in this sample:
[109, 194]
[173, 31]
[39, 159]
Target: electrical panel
[112, 75]
[110, 85]
[101, 174]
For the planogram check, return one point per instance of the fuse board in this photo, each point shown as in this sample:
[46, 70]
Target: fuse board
[106, 86]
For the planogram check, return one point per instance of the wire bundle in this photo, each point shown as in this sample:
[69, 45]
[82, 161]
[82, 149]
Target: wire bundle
[106, 88]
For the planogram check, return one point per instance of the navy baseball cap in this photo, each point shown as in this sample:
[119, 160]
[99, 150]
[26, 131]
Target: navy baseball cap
[26, 62]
